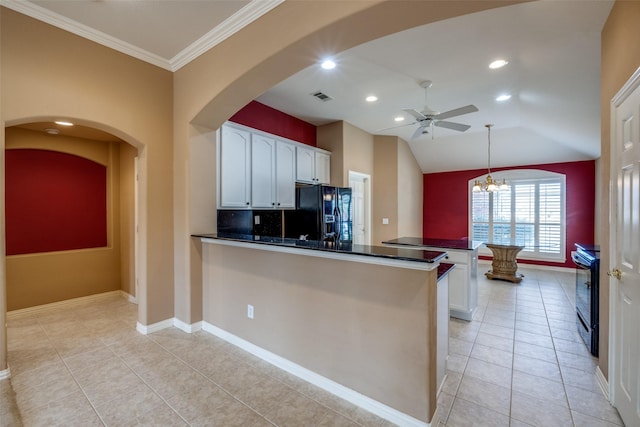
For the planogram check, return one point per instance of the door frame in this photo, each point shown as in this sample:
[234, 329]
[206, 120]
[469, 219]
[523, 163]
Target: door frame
[366, 180]
[627, 89]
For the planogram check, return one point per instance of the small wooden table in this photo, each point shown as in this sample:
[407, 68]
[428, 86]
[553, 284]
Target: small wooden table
[504, 265]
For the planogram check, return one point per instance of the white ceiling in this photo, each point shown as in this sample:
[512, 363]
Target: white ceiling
[553, 75]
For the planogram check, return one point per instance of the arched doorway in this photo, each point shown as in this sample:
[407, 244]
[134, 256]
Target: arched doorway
[39, 277]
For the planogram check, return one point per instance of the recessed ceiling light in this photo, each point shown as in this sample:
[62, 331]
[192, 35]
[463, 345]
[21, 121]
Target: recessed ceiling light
[503, 97]
[52, 131]
[371, 98]
[399, 119]
[498, 63]
[328, 64]
[63, 123]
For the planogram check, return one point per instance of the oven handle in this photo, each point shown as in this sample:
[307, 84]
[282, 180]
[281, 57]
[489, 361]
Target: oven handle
[579, 262]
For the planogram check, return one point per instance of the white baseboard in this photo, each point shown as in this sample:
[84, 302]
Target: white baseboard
[324, 383]
[149, 329]
[61, 304]
[189, 328]
[4, 374]
[602, 382]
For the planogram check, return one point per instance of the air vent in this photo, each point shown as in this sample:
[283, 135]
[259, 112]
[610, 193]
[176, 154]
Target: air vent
[322, 96]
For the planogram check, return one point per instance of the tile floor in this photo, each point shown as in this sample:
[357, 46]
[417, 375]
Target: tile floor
[518, 363]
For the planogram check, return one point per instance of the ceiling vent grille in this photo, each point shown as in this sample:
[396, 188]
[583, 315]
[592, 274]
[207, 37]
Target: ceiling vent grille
[322, 96]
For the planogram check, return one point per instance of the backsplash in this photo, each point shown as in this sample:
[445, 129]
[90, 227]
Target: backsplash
[251, 222]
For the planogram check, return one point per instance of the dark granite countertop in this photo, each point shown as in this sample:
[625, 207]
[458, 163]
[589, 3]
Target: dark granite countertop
[340, 247]
[444, 269]
[461, 244]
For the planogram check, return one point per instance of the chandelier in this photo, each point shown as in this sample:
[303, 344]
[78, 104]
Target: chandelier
[489, 184]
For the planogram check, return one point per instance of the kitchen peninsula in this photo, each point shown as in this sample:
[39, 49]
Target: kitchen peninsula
[463, 281]
[368, 324]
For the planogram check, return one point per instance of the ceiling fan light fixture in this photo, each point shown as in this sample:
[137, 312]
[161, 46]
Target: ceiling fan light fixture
[398, 119]
[63, 123]
[371, 98]
[498, 63]
[503, 97]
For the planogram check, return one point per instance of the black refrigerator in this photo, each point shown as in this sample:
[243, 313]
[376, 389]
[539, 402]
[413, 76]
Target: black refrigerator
[322, 213]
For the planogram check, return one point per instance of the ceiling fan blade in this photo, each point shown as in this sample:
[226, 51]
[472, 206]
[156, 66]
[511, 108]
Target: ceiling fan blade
[398, 126]
[457, 112]
[451, 125]
[418, 115]
[419, 131]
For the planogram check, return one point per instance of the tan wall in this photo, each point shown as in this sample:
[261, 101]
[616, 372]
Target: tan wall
[385, 189]
[331, 138]
[620, 59]
[371, 328]
[48, 73]
[358, 152]
[410, 194]
[43, 278]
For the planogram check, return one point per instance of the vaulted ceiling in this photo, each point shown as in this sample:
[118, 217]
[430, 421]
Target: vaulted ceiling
[553, 74]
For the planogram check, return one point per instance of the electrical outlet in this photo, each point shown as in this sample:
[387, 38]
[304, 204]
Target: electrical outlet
[256, 220]
[385, 221]
[250, 311]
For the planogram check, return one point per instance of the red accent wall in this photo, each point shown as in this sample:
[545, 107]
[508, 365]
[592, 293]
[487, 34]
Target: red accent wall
[54, 202]
[267, 119]
[445, 210]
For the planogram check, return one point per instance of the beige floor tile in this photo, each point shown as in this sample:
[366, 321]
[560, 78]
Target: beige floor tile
[159, 416]
[296, 410]
[42, 395]
[539, 387]
[492, 355]
[582, 420]
[494, 341]
[128, 406]
[534, 328]
[467, 414]
[333, 419]
[535, 351]
[537, 339]
[485, 394]
[460, 346]
[500, 331]
[445, 402]
[452, 382]
[57, 412]
[579, 378]
[488, 372]
[532, 318]
[592, 404]
[576, 361]
[539, 412]
[537, 367]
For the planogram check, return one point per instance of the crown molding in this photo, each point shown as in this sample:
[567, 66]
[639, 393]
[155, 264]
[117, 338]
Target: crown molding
[249, 13]
[245, 16]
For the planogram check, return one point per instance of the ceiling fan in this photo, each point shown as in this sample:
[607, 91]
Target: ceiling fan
[429, 118]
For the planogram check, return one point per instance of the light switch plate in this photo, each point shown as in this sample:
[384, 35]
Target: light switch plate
[385, 221]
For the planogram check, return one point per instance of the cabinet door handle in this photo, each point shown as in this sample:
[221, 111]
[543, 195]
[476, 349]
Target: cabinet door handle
[273, 204]
[278, 203]
[248, 203]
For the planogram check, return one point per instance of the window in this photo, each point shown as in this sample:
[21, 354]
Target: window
[530, 213]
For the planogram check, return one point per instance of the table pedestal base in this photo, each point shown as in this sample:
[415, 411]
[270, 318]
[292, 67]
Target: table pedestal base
[504, 264]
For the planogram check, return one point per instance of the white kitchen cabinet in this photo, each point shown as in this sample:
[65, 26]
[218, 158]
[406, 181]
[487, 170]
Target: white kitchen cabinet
[263, 172]
[313, 165]
[285, 175]
[257, 169]
[463, 279]
[235, 168]
[463, 282]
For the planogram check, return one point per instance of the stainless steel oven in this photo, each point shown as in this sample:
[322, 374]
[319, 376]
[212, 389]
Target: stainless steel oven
[587, 261]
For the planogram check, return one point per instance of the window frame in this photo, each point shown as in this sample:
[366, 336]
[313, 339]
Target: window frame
[523, 176]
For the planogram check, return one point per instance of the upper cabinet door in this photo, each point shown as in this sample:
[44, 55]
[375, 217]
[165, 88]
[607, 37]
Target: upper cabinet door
[285, 175]
[322, 167]
[235, 173]
[263, 171]
[305, 163]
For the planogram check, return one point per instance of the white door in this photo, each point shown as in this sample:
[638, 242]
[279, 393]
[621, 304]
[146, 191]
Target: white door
[359, 184]
[625, 251]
